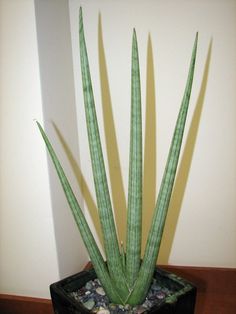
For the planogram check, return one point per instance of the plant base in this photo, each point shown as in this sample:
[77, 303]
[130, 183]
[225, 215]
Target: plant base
[181, 300]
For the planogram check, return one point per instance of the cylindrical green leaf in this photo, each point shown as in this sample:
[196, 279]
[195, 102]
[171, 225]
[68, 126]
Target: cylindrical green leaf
[102, 192]
[154, 239]
[134, 220]
[90, 243]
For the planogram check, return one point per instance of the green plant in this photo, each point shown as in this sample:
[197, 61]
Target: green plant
[125, 279]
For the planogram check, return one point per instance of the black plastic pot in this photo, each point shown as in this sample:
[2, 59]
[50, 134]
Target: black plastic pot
[181, 301]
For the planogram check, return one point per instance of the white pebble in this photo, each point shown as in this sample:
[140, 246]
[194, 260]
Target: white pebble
[103, 311]
[100, 291]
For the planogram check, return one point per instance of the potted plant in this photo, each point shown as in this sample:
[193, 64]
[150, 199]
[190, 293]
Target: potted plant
[124, 276]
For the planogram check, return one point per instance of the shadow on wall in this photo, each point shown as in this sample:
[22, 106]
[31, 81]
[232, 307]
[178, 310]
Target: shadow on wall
[150, 156]
[183, 169]
[58, 103]
[81, 182]
[149, 176]
[117, 186]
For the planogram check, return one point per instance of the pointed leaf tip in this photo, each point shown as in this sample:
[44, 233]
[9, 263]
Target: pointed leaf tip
[134, 39]
[80, 15]
[196, 38]
[38, 124]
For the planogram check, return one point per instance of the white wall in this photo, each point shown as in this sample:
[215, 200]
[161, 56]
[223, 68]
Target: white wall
[201, 227]
[28, 256]
[40, 242]
[58, 99]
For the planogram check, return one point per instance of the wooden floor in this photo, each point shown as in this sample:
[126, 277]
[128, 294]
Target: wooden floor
[216, 293]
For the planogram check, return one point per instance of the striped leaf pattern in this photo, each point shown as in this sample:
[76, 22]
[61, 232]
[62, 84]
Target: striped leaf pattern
[123, 278]
[134, 220]
[94, 253]
[154, 238]
[103, 198]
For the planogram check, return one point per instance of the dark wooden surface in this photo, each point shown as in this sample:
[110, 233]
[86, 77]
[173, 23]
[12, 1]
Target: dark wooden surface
[10, 304]
[216, 288]
[216, 293]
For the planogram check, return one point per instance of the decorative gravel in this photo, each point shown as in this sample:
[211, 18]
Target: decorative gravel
[93, 297]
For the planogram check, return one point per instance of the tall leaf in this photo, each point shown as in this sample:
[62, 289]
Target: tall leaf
[103, 198]
[134, 220]
[154, 239]
[94, 253]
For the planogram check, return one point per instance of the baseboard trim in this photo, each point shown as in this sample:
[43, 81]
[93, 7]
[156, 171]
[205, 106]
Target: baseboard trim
[207, 279]
[216, 287]
[11, 304]
[216, 290]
